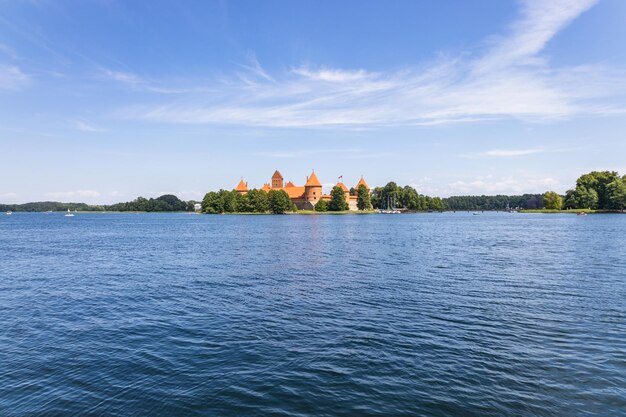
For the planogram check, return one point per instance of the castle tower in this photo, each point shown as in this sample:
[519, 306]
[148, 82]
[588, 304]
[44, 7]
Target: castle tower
[242, 187]
[312, 190]
[277, 180]
[362, 182]
[345, 189]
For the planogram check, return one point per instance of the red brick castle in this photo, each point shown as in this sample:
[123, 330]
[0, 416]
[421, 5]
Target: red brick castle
[304, 197]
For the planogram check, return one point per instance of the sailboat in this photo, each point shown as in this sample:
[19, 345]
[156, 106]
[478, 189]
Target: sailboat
[69, 214]
[390, 209]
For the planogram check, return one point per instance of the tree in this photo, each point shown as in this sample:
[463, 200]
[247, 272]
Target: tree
[616, 192]
[337, 200]
[321, 206]
[409, 198]
[363, 201]
[436, 203]
[229, 200]
[598, 181]
[257, 201]
[279, 202]
[552, 200]
[212, 203]
[581, 197]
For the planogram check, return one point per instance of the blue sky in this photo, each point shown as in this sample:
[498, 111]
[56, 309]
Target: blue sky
[103, 101]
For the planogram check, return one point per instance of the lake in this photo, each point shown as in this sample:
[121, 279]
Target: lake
[420, 314]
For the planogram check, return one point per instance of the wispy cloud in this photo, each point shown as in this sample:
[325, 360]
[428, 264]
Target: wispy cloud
[85, 126]
[255, 68]
[509, 79]
[75, 194]
[141, 84]
[123, 77]
[349, 153]
[8, 51]
[509, 153]
[330, 75]
[12, 77]
[490, 185]
[512, 152]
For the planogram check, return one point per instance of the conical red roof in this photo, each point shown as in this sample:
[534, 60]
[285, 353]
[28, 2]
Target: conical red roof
[343, 186]
[362, 182]
[242, 186]
[277, 175]
[313, 181]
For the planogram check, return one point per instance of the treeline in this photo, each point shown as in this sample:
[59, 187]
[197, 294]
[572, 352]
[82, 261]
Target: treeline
[597, 190]
[49, 206]
[167, 202]
[393, 196]
[254, 201]
[494, 202]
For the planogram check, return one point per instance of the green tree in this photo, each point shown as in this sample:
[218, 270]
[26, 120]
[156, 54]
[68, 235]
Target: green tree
[581, 198]
[212, 203]
[363, 201]
[616, 191]
[598, 181]
[229, 201]
[552, 200]
[257, 201]
[279, 202]
[409, 198]
[436, 203]
[321, 206]
[337, 200]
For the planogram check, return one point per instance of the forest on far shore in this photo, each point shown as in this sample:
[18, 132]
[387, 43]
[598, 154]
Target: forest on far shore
[596, 190]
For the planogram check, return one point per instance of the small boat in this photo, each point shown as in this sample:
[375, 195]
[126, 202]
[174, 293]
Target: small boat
[69, 214]
[390, 207]
[581, 213]
[476, 213]
[8, 213]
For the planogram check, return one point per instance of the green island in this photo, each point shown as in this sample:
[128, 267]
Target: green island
[594, 192]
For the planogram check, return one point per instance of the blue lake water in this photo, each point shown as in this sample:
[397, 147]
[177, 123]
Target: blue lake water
[427, 314]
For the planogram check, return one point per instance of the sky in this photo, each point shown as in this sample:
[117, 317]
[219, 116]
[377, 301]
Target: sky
[102, 101]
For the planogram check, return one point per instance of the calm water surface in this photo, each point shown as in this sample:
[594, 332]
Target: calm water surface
[428, 314]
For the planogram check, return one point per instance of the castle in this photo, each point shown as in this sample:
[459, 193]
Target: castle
[305, 197]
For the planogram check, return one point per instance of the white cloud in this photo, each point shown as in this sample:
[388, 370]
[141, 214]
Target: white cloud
[512, 152]
[6, 50]
[540, 20]
[85, 126]
[75, 194]
[331, 75]
[12, 78]
[256, 68]
[509, 80]
[137, 83]
[503, 185]
[123, 77]
[183, 195]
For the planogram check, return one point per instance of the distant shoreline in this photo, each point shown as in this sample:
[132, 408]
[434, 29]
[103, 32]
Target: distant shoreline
[332, 213]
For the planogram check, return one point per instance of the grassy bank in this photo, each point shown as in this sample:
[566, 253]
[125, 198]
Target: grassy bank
[309, 212]
[573, 211]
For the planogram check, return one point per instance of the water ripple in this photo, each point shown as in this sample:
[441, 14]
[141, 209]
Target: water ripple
[432, 314]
